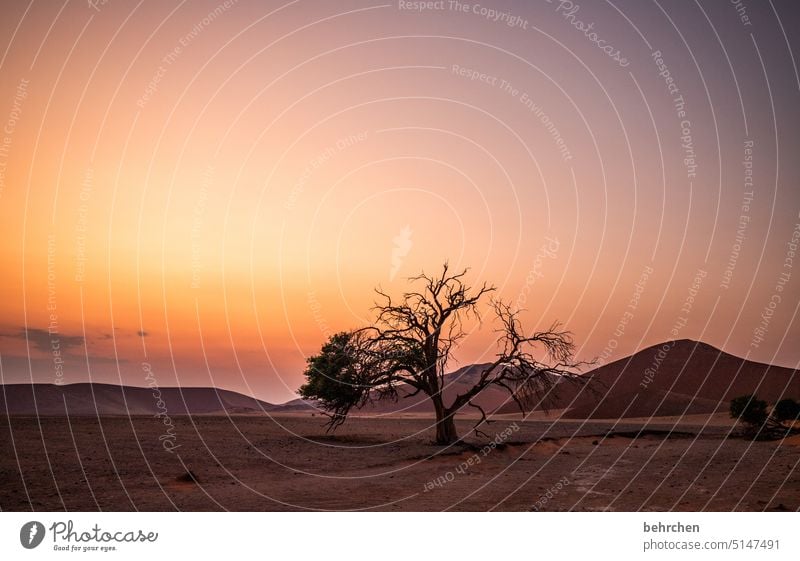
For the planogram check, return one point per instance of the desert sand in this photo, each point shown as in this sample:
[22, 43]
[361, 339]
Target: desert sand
[289, 462]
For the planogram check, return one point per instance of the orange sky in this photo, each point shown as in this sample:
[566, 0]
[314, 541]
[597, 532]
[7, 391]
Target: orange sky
[215, 188]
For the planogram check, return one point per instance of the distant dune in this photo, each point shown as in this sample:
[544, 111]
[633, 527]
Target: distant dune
[675, 378]
[109, 399]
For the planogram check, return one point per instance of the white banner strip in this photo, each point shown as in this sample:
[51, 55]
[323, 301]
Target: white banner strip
[400, 536]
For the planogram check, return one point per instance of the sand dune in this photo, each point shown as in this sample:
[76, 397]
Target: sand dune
[675, 378]
[672, 379]
[108, 399]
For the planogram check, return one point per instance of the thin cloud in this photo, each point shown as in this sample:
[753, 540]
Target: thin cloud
[43, 340]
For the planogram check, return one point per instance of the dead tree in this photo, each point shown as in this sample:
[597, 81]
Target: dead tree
[412, 341]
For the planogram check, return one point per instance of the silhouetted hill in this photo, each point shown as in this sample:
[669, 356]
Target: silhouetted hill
[109, 399]
[455, 383]
[680, 377]
[673, 378]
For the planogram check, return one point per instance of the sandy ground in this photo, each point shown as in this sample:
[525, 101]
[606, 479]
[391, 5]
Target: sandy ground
[290, 463]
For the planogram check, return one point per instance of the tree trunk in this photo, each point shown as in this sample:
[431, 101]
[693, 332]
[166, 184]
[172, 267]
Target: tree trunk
[446, 430]
[445, 422]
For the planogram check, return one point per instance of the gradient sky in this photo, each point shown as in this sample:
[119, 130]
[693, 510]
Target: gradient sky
[215, 188]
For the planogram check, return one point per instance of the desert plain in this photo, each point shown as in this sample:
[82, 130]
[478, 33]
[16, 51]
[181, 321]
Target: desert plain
[388, 463]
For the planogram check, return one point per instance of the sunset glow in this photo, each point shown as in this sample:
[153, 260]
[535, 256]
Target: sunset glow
[215, 188]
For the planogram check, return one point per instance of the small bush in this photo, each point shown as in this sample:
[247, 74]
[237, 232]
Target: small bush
[750, 410]
[759, 422]
[786, 410]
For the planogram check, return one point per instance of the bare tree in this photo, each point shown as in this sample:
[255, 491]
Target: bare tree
[412, 341]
